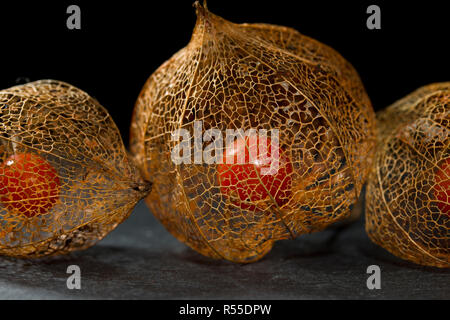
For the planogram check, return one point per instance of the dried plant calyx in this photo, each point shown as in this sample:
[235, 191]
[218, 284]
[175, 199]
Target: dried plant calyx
[65, 177]
[407, 199]
[254, 76]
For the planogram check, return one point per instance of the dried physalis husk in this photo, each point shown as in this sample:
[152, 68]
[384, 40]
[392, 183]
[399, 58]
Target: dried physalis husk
[253, 76]
[65, 177]
[408, 194]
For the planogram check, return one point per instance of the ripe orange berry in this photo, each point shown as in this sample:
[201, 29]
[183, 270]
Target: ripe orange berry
[247, 182]
[442, 186]
[29, 185]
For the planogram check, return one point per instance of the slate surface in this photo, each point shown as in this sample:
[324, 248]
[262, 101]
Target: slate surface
[140, 260]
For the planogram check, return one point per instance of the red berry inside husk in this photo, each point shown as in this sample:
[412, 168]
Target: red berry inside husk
[246, 183]
[29, 185]
[442, 186]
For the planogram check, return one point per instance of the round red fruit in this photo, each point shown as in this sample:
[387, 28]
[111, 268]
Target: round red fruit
[29, 185]
[256, 180]
[442, 186]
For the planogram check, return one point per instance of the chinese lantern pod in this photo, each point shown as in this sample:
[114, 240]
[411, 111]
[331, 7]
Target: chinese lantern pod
[408, 194]
[253, 76]
[65, 178]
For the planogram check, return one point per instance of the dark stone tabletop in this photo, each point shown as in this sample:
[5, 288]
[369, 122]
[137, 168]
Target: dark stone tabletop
[141, 260]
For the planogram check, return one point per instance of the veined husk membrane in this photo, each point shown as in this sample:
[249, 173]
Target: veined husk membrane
[75, 182]
[407, 197]
[253, 76]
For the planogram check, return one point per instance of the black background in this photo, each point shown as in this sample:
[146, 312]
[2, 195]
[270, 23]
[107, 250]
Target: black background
[121, 43]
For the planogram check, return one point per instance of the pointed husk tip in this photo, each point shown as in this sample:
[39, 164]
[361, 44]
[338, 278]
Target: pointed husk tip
[201, 9]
